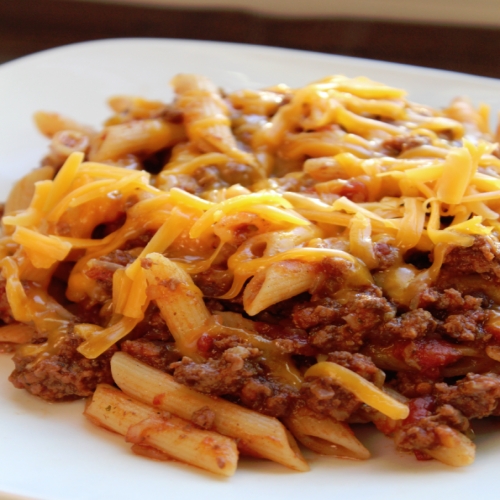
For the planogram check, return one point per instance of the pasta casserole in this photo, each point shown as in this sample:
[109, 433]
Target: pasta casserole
[241, 272]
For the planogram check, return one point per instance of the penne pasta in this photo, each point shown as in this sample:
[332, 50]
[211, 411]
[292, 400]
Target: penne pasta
[205, 116]
[256, 434]
[175, 437]
[278, 282]
[325, 435]
[179, 300]
[50, 124]
[145, 136]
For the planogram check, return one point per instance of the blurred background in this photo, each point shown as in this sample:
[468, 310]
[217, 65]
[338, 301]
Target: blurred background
[459, 35]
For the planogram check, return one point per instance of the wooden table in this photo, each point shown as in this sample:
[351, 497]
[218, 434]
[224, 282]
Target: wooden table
[27, 26]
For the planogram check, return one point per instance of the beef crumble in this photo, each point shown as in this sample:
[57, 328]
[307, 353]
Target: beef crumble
[335, 325]
[64, 374]
[222, 376]
[428, 427]
[476, 395]
[481, 258]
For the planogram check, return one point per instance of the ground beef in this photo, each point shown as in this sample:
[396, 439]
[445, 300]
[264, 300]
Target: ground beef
[208, 178]
[476, 396]
[448, 301]
[411, 325]
[213, 282]
[466, 327]
[214, 346]
[428, 426]
[233, 172]
[179, 181]
[267, 397]
[63, 375]
[413, 384]
[152, 327]
[235, 373]
[156, 353]
[222, 376]
[343, 326]
[332, 275]
[333, 337]
[386, 254]
[307, 316]
[281, 312]
[87, 311]
[480, 258]
[289, 339]
[366, 310]
[102, 273]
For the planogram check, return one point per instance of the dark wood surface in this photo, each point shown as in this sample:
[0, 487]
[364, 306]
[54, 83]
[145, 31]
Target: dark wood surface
[28, 26]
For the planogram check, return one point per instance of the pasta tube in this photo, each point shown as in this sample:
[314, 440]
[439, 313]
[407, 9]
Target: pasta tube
[178, 438]
[256, 434]
[325, 435]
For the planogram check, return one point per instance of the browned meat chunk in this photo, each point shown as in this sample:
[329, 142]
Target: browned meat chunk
[411, 325]
[428, 427]
[213, 282]
[343, 326]
[237, 374]
[387, 255]
[308, 317]
[465, 327]
[268, 397]
[152, 327]
[324, 396]
[223, 376]
[430, 432]
[476, 396]
[63, 375]
[450, 301]
[481, 258]
[156, 353]
[413, 384]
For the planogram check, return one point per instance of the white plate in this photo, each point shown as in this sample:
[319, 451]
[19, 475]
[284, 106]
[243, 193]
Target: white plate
[49, 451]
